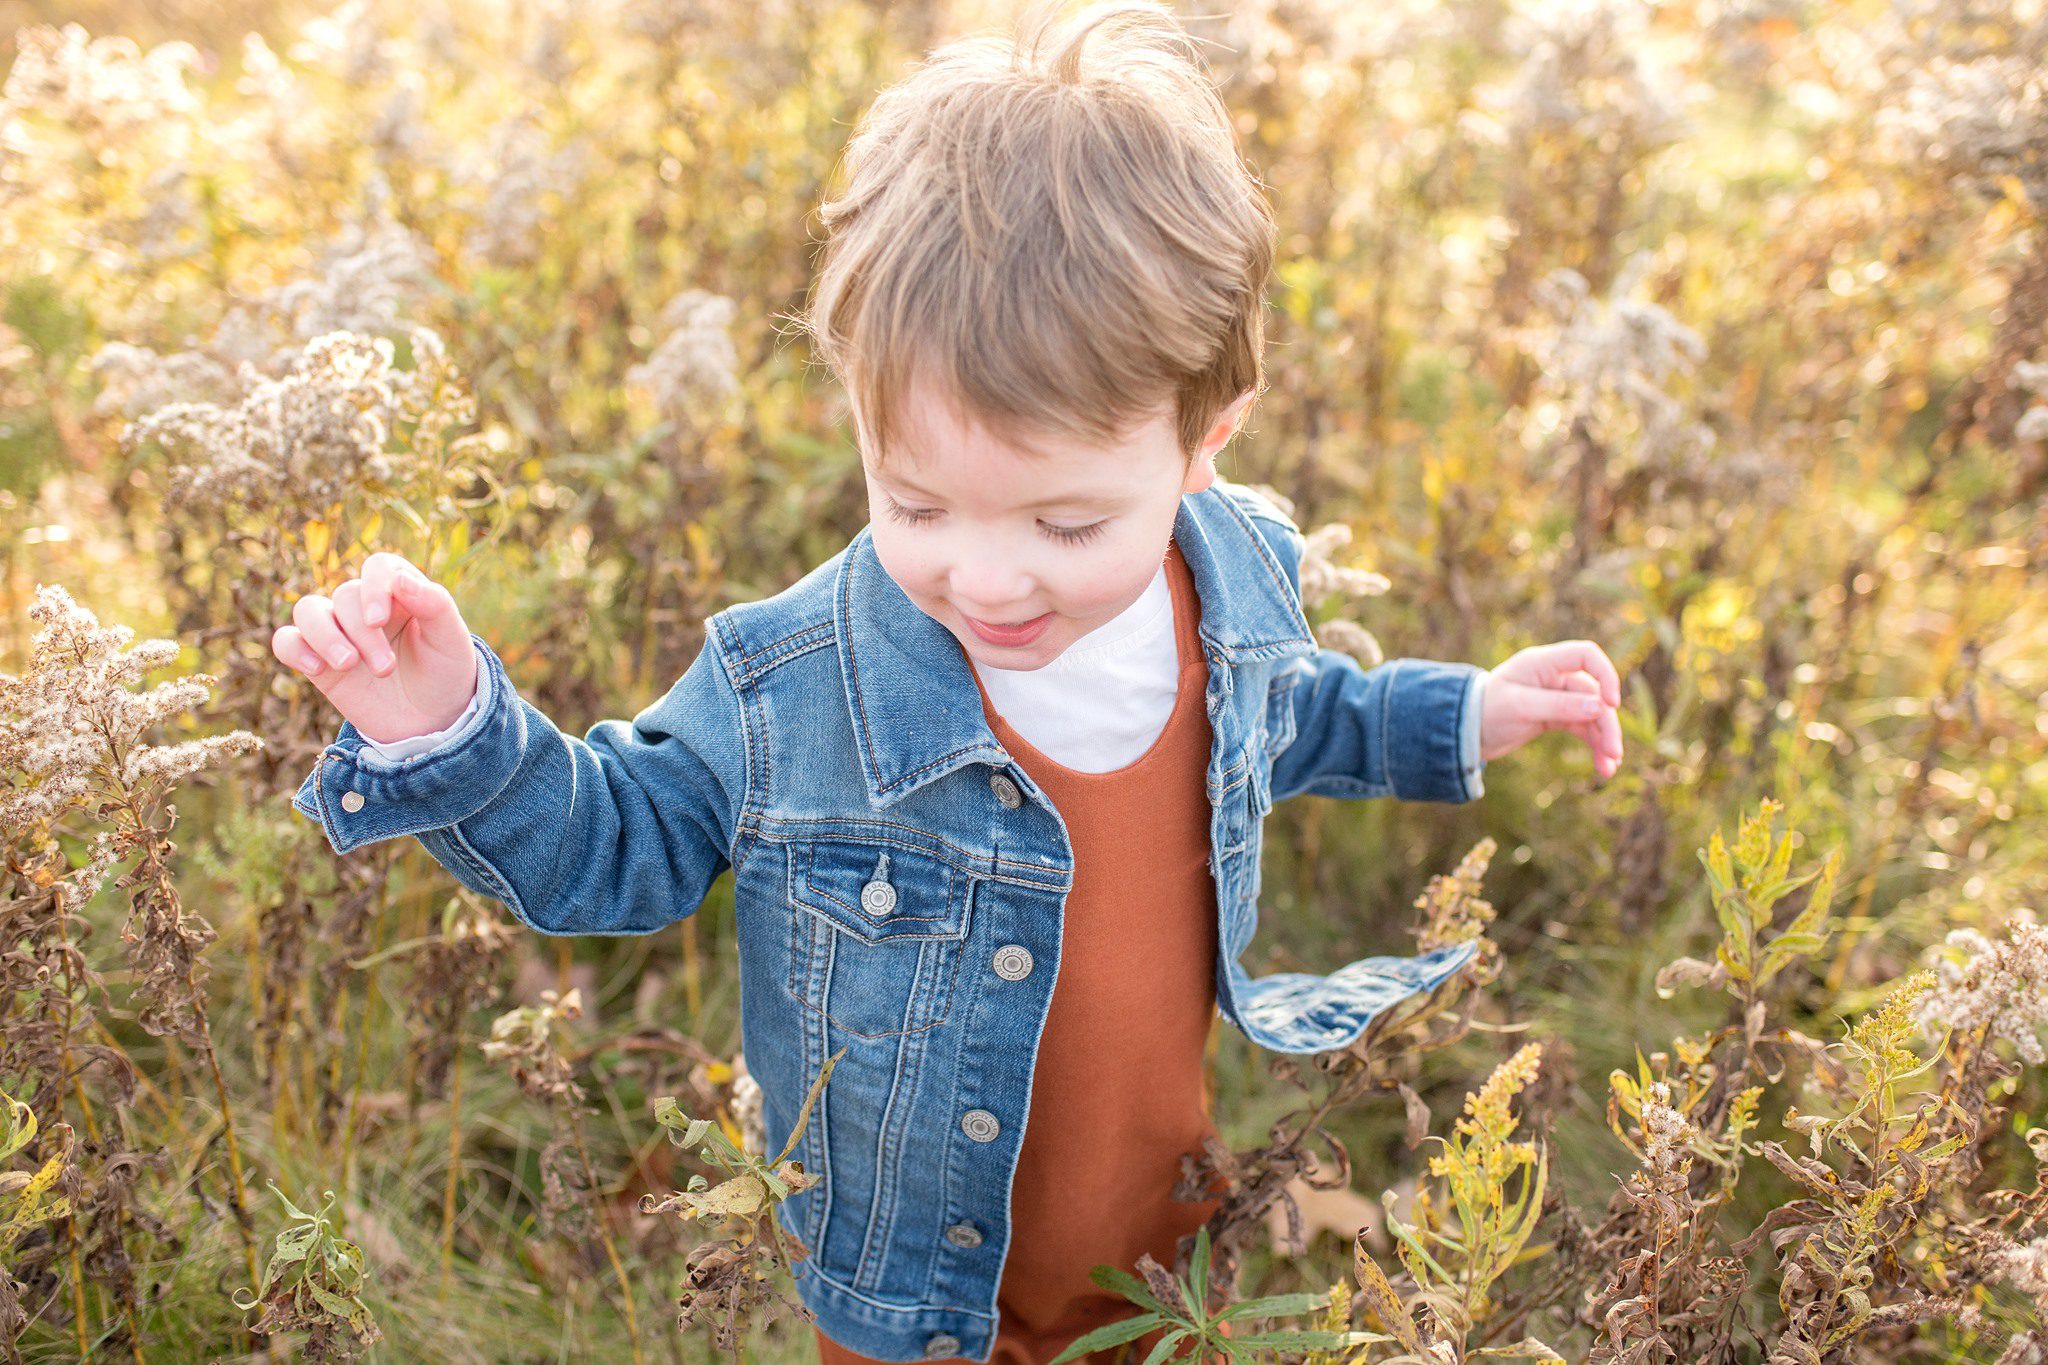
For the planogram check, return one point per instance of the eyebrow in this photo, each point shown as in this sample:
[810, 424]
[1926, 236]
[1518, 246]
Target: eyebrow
[1095, 500]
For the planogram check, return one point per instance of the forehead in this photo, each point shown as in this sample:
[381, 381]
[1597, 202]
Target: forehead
[941, 449]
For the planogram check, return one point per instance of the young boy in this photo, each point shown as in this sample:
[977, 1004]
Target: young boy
[991, 779]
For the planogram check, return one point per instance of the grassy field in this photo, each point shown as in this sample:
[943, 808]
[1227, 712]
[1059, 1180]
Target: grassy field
[1716, 333]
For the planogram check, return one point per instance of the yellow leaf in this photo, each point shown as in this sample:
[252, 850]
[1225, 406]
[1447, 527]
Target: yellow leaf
[319, 537]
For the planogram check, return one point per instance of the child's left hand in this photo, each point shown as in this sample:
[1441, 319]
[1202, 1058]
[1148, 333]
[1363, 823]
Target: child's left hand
[1571, 685]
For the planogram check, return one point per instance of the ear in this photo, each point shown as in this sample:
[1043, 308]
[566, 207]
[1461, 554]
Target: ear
[1202, 469]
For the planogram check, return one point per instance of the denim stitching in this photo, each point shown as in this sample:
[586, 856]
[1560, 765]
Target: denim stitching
[918, 1309]
[888, 1163]
[821, 987]
[751, 675]
[484, 870]
[931, 845]
[860, 920]
[734, 854]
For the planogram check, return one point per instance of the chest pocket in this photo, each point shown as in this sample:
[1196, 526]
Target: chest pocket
[877, 934]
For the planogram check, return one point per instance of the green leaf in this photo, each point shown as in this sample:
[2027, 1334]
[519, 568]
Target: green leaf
[1164, 1349]
[333, 1303]
[1273, 1305]
[1198, 1268]
[1109, 1334]
[1131, 1287]
[803, 1115]
[1306, 1339]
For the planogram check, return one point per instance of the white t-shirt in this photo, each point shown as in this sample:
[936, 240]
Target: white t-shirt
[1095, 708]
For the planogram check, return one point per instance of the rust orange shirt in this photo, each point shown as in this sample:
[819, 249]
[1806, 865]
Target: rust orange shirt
[1120, 1089]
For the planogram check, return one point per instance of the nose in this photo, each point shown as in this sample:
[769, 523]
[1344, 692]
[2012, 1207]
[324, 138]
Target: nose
[989, 587]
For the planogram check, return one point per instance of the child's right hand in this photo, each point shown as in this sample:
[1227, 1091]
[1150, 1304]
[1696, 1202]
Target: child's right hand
[389, 649]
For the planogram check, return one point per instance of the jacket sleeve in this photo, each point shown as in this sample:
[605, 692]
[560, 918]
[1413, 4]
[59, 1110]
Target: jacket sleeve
[1405, 728]
[620, 832]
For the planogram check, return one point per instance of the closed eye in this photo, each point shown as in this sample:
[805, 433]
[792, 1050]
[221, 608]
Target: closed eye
[920, 516]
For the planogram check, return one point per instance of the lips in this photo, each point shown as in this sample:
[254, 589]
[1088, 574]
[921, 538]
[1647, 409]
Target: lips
[1012, 635]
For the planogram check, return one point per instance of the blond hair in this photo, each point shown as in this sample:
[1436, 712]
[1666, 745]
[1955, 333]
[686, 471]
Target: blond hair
[1057, 231]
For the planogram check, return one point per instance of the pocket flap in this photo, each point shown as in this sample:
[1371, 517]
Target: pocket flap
[880, 892]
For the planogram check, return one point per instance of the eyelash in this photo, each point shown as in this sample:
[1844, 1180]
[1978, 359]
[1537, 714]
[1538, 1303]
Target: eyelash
[1071, 535]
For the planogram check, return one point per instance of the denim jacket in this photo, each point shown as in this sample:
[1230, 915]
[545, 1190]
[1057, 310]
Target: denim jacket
[899, 880]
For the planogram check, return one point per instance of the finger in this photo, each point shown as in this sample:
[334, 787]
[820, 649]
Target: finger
[1562, 709]
[429, 603]
[1593, 659]
[314, 616]
[291, 649]
[1610, 736]
[369, 641]
[380, 571]
[1580, 682]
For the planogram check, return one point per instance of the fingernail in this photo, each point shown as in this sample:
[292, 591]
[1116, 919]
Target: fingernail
[344, 658]
[382, 663]
[376, 616]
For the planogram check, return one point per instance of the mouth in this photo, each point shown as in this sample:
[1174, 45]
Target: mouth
[1012, 635]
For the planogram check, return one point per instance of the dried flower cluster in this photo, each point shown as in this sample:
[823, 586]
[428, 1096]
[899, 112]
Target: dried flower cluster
[695, 368]
[71, 731]
[524, 1039]
[320, 430]
[2001, 988]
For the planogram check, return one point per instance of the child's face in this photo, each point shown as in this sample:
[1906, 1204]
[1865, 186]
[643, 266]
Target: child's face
[979, 535]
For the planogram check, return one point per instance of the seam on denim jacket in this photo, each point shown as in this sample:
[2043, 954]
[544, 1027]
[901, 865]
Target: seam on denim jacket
[1458, 730]
[1266, 560]
[746, 662]
[735, 854]
[789, 831]
[888, 1156]
[484, 870]
[811, 1266]
[1386, 717]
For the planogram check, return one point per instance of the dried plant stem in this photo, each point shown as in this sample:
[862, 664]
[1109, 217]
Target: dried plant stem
[454, 1168]
[337, 1028]
[237, 1187]
[355, 1089]
[693, 970]
[78, 1318]
[604, 1232]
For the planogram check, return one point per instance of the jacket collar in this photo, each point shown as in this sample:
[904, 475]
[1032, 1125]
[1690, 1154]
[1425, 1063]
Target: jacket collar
[917, 714]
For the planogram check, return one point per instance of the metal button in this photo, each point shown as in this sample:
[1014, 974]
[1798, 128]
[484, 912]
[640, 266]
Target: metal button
[964, 1235]
[351, 801]
[1013, 962]
[1006, 790]
[941, 1346]
[878, 898]
[980, 1125]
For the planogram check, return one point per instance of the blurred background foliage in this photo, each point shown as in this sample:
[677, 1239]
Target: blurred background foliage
[1715, 331]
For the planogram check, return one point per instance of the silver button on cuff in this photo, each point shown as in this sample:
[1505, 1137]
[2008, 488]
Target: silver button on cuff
[351, 802]
[1006, 790]
[964, 1235]
[1013, 962]
[878, 898]
[980, 1125]
[941, 1346]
